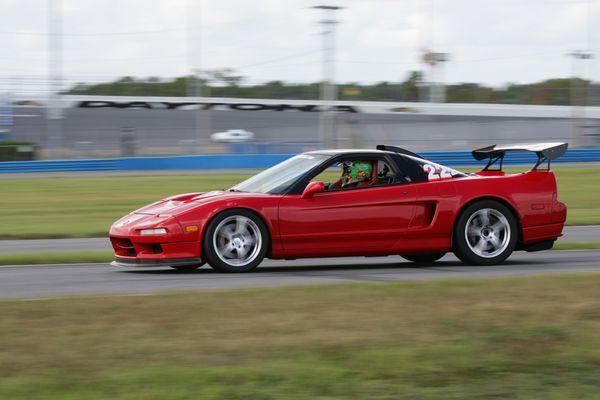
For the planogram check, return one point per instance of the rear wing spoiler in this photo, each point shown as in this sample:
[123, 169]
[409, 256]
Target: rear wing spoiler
[545, 152]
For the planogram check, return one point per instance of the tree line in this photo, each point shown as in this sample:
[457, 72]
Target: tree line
[224, 83]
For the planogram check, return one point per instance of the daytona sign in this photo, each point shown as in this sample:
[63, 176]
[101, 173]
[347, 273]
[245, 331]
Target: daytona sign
[165, 105]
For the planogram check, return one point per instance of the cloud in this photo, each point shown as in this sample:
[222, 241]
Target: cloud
[490, 41]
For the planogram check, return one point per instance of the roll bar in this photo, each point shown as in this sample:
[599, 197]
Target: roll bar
[398, 150]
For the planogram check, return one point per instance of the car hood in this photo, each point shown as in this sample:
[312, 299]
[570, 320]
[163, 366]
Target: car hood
[179, 204]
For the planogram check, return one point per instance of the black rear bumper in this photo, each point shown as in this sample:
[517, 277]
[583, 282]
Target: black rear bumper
[174, 262]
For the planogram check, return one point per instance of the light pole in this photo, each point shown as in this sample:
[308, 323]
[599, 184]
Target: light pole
[54, 115]
[327, 129]
[437, 90]
[431, 88]
[203, 116]
[196, 82]
[577, 92]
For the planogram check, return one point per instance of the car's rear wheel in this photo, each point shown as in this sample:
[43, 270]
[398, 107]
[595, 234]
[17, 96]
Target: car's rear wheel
[236, 241]
[485, 233]
[423, 258]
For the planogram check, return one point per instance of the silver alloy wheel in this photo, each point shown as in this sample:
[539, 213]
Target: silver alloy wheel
[237, 240]
[487, 232]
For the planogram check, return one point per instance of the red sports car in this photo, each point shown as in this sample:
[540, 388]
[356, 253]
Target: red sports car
[327, 203]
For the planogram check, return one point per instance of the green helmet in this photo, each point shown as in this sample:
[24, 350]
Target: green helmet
[358, 171]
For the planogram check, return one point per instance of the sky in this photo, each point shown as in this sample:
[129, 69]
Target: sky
[489, 41]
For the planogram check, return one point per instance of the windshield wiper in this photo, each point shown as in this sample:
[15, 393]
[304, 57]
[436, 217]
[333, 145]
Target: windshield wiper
[234, 190]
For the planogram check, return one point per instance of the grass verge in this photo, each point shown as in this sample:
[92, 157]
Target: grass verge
[84, 207]
[577, 246]
[56, 257]
[517, 338]
[108, 256]
[578, 188]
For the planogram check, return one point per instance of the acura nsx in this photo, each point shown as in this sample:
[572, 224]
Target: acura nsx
[335, 203]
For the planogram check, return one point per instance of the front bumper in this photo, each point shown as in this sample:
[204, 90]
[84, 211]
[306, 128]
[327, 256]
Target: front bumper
[178, 247]
[151, 263]
[133, 252]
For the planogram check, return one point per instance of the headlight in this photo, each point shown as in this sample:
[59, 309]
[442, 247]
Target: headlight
[158, 231]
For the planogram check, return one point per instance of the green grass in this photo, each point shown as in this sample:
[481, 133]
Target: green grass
[523, 338]
[577, 246]
[70, 257]
[579, 189]
[56, 257]
[84, 207]
[81, 207]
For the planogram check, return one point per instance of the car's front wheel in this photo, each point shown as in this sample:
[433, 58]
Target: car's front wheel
[236, 241]
[485, 233]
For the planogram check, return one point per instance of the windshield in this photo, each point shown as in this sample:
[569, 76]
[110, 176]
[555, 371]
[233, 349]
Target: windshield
[279, 178]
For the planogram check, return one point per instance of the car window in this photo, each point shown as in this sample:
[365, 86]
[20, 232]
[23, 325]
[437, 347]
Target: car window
[329, 174]
[356, 173]
[280, 177]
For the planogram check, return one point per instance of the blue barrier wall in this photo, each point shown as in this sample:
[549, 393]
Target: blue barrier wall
[236, 161]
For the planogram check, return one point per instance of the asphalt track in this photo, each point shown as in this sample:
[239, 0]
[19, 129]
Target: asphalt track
[33, 282]
[572, 234]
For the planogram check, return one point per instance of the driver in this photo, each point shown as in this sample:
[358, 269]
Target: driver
[354, 173]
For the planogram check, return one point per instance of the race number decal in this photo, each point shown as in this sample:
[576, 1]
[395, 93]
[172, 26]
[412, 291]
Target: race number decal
[437, 172]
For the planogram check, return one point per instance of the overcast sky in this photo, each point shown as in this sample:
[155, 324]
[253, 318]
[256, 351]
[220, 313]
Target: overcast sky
[490, 41]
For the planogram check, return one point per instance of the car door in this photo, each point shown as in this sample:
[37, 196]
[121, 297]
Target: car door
[360, 220]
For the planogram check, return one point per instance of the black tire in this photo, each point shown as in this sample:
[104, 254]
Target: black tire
[210, 251]
[467, 252]
[187, 268]
[423, 259]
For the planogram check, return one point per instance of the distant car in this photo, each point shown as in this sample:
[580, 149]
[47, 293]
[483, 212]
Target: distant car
[388, 201]
[232, 136]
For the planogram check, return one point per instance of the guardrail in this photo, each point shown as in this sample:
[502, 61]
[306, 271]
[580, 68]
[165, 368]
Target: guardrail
[256, 161]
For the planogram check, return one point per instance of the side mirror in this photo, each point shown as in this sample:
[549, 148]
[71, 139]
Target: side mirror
[312, 189]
